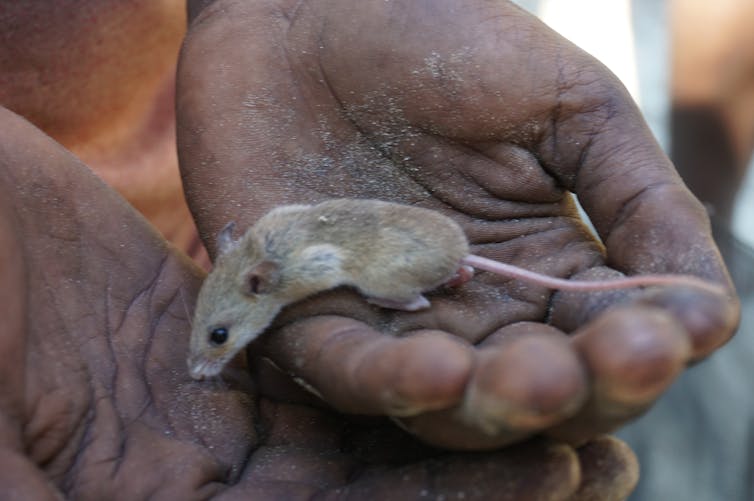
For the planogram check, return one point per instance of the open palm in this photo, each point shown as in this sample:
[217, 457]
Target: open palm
[97, 402]
[481, 112]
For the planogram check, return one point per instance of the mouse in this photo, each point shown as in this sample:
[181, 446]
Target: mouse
[390, 253]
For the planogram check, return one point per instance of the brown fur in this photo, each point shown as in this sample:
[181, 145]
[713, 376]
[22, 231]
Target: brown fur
[387, 251]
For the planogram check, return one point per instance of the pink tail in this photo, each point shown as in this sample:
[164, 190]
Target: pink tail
[522, 274]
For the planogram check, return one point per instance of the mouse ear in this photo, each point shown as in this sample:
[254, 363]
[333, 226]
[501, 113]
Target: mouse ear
[261, 278]
[225, 238]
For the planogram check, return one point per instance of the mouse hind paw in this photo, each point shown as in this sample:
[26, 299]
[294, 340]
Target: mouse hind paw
[464, 274]
[418, 303]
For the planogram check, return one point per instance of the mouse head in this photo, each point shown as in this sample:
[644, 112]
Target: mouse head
[236, 303]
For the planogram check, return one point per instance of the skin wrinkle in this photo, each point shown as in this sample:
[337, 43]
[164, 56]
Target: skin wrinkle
[119, 457]
[293, 13]
[520, 240]
[131, 303]
[146, 292]
[549, 308]
[438, 194]
[91, 445]
[485, 232]
[43, 433]
[557, 110]
[237, 472]
[355, 363]
[334, 339]
[339, 102]
[580, 185]
[151, 333]
[113, 388]
[149, 403]
[75, 424]
[438, 190]
[67, 480]
[166, 312]
[109, 333]
[586, 148]
[348, 113]
[518, 249]
[629, 205]
[480, 150]
[609, 176]
[113, 383]
[603, 102]
[595, 258]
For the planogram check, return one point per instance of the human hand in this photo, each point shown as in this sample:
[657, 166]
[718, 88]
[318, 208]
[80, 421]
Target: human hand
[97, 401]
[480, 111]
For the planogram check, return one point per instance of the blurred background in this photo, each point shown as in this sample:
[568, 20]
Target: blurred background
[689, 64]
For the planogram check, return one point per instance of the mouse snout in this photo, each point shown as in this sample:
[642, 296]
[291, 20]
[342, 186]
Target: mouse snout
[200, 368]
[196, 371]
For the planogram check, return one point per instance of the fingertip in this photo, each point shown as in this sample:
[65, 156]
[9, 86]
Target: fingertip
[427, 371]
[709, 319]
[359, 370]
[610, 470]
[527, 382]
[633, 354]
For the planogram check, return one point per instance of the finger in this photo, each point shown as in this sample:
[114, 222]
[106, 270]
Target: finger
[609, 470]
[531, 471]
[359, 370]
[526, 377]
[709, 319]
[632, 355]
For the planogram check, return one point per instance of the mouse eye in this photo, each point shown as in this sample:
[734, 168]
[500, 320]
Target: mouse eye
[218, 336]
[254, 283]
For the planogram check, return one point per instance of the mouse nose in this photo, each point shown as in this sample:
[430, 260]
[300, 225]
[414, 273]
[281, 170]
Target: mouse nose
[196, 374]
[197, 368]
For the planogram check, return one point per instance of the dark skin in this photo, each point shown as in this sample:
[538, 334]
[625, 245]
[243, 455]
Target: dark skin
[97, 402]
[96, 304]
[483, 113]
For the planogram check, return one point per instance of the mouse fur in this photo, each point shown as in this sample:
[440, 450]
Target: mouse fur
[387, 251]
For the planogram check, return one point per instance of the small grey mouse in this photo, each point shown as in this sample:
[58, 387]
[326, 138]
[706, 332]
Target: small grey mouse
[391, 253]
